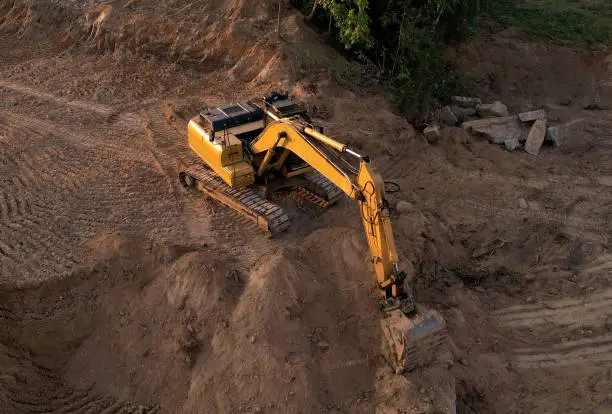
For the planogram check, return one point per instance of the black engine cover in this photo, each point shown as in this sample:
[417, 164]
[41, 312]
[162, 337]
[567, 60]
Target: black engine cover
[219, 119]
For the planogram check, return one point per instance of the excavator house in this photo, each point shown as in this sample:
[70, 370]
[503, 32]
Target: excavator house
[244, 152]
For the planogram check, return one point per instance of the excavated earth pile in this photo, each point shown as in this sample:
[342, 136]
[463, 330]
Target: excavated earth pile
[121, 292]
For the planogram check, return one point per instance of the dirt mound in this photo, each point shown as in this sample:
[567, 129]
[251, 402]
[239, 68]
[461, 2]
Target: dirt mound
[178, 326]
[206, 35]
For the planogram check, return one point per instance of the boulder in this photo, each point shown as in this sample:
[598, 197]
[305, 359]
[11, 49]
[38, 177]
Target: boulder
[432, 133]
[404, 207]
[463, 114]
[553, 134]
[532, 115]
[495, 109]
[448, 117]
[496, 130]
[456, 135]
[465, 102]
[536, 137]
[512, 143]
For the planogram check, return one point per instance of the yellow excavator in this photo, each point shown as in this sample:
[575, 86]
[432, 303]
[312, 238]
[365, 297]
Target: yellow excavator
[242, 153]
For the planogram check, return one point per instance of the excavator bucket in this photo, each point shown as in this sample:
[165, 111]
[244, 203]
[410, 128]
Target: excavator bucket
[413, 341]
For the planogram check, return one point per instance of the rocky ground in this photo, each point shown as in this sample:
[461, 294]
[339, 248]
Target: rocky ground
[121, 292]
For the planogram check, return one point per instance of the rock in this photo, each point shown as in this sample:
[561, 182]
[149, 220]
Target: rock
[512, 143]
[496, 130]
[553, 134]
[605, 180]
[432, 133]
[495, 109]
[529, 300]
[608, 323]
[456, 135]
[523, 203]
[404, 207]
[463, 114]
[532, 115]
[466, 102]
[392, 201]
[530, 277]
[448, 117]
[596, 106]
[323, 345]
[252, 339]
[536, 137]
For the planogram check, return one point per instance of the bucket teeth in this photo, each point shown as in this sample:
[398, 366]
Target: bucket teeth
[413, 341]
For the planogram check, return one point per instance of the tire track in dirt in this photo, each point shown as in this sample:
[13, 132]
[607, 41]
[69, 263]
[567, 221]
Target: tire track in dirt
[558, 321]
[593, 351]
[92, 107]
[28, 251]
[113, 141]
[53, 188]
[26, 373]
[11, 207]
[589, 228]
[603, 264]
[31, 233]
[591, 310]
[62, 399]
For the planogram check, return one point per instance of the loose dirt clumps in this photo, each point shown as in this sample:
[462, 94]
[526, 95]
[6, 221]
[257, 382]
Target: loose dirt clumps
[122, 292]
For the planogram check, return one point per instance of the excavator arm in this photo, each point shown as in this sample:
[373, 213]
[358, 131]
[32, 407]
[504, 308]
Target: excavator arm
[366, 186]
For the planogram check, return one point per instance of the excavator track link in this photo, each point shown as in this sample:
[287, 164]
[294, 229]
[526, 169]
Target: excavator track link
[324, 188]
[245, 201]
[314, 198]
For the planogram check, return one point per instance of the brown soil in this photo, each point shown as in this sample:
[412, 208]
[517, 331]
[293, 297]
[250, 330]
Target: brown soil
[121, 292]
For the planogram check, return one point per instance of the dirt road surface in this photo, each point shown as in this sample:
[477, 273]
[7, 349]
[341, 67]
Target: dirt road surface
[120, 292]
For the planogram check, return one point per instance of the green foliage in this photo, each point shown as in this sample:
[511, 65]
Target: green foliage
[573, 22]
[424, 78]
[352, 20]
[421, 76]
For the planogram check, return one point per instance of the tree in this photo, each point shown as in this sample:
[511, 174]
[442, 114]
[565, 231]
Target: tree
[352, 20]
[313, 10]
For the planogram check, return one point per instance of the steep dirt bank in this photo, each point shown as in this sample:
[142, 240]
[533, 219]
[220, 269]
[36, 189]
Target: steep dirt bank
[119, 290]
[529, 74]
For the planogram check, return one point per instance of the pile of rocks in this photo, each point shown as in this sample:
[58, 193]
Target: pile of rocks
[494, 122]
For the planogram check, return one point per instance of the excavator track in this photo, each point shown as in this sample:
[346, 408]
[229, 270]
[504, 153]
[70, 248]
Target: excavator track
[245, 201]
[305, 194]
[325, 192]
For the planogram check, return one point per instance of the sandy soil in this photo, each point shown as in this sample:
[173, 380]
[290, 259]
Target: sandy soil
[121, 292]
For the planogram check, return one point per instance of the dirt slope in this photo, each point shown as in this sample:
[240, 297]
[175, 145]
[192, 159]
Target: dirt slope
[119, 291]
